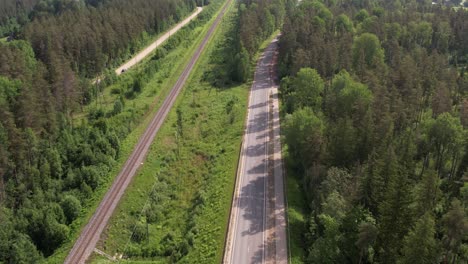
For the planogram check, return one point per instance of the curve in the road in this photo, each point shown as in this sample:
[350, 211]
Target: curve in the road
[91, 233]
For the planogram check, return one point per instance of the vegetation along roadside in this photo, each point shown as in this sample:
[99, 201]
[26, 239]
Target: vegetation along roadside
[179, 213]
[375, 116]
[73, 152]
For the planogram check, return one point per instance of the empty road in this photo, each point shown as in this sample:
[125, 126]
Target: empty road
[140, 56]
[91, 233]
[257, 227]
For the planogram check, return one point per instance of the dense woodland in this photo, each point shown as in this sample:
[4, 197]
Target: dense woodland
[51, 162]
[13, 14]
[374, 99]
[375, 104]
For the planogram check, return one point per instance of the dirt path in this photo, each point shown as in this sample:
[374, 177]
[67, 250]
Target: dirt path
[140, 56]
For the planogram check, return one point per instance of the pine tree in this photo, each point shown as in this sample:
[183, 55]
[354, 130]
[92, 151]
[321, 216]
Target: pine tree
[427, 193]
[420, 245]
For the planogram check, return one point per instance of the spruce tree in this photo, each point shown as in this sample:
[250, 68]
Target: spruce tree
[420, 245]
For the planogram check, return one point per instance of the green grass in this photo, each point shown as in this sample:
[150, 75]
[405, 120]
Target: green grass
[145, 105]
[197, 173]
[296, 204]
[193, 174]
[158, 86]
[3, 40]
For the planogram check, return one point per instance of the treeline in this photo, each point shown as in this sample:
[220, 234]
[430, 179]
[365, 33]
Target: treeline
[375, 99]
[256, 21]
[51, 162]
[48, 166]
[90, 39]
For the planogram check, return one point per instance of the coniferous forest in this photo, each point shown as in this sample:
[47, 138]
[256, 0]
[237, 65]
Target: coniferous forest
[50, 163]
[375, 105]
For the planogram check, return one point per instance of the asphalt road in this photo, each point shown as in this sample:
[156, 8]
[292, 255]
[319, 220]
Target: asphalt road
[91, 233]
[140, 56]
[257, 231]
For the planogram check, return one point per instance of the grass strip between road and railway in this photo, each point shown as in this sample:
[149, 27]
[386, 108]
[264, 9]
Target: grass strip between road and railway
[180, 56]
[296, 217]
[197, 171]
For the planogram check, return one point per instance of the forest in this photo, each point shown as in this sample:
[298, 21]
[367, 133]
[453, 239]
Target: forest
[14, 14]
[255, 22]
[55, 154]
[375, 119]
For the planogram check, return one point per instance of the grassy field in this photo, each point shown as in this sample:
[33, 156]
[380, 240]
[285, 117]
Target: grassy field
[180, 200]
[295, 213]
[165, 73]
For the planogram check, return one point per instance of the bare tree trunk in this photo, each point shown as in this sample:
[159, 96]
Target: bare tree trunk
[454, 164]
[425, 164]
[2, 189]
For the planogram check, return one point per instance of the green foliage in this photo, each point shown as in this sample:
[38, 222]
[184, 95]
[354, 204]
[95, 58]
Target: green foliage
[304, 132]
[366, 238]
[118, 107]
[361, 15]
[139, 232]
[421, 33]
[257, 21]
[304, 90]
[232, 59]
[393, 129]
[420, 245]
[394, 214]
[353, 98]
[334, 206]
[342, 142]
[344, 24]
[186, 207]
[58, 137]
[108, 40]
[427, 193]
[445, 135]
[367, 51]
[242, 63]
[455, 229]
[15, 247]
[71, 207]
[325, 248]
[359, 234]
[14, 14]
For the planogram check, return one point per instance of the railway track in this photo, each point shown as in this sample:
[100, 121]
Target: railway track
[91, 233]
